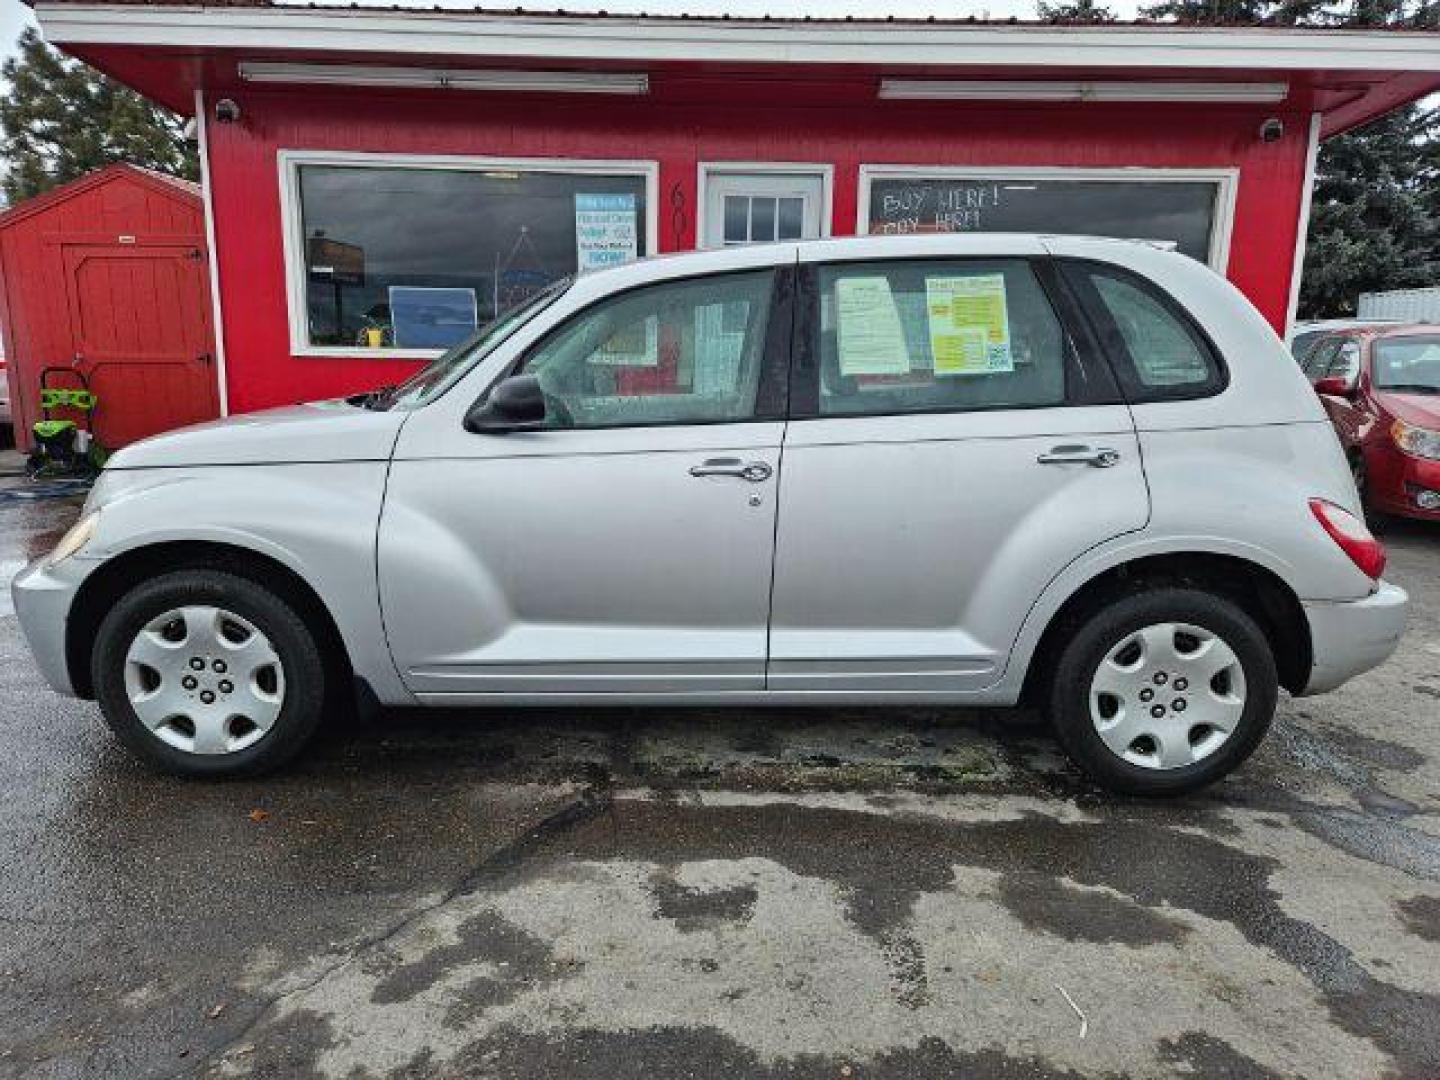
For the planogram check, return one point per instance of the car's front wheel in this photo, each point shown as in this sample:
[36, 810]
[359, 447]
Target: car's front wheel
[1163, 691]
[206, 673]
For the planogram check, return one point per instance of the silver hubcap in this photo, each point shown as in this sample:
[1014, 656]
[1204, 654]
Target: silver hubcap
[1167, 696]
[204, 680]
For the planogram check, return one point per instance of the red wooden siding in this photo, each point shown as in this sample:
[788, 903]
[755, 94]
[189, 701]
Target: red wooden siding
[69, 284]
[845, 128]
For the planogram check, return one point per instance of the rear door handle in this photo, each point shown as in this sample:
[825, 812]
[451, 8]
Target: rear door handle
[1099, 457]
[754, 471]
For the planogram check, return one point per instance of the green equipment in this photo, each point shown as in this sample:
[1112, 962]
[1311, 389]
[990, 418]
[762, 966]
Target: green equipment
[65, 446]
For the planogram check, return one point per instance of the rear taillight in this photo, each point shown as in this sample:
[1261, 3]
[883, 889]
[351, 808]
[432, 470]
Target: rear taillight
[1347, 530]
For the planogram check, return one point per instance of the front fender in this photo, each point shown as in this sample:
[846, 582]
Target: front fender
[317, 520]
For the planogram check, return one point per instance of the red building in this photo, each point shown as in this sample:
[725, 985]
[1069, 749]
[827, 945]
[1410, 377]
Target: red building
[107, 275]
[381, 180]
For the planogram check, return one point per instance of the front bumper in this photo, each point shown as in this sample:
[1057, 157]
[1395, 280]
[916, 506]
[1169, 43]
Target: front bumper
[43, 597]
[1397, 481]
[1352, 636]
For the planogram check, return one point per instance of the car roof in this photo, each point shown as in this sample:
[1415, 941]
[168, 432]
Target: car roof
[910, 245]
[1399, 330]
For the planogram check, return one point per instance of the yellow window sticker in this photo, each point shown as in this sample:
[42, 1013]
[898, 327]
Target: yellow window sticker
[868, 334]
[969, 324]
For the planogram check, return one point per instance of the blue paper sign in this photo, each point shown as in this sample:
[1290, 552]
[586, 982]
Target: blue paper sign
[431, 318]
[607, 231]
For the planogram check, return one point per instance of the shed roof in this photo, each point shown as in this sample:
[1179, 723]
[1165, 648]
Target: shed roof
[172, 186]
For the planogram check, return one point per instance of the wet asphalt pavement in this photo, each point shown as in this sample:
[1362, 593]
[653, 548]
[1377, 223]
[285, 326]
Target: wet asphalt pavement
[846, 893]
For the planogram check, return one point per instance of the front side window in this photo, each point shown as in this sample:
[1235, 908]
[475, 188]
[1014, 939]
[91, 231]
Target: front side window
[1408, 364]
[1163, 353]
[933, 335]
[687, 351]
[421, 258]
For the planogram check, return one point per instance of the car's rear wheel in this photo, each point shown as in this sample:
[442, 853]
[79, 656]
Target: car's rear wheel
[205, 673]
[1163, 691]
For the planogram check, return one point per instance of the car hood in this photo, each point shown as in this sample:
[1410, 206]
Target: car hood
[323, 431]
[1421, 410]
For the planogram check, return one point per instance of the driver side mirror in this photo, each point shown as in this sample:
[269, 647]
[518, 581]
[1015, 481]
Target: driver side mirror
[1335, 386]
[514, 404]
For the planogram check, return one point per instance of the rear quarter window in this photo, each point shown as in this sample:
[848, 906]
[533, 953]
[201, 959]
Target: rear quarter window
[1158, 351]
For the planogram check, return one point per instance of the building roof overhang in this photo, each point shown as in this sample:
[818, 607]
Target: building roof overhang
[166, 49]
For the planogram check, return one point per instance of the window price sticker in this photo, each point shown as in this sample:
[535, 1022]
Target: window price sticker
[969, 324]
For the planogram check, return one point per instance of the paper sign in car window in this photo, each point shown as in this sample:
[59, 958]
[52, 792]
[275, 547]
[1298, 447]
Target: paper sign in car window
[868, 332]
[634, 345]
[969, 324]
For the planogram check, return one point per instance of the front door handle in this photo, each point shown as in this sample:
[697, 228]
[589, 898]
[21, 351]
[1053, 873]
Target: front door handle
[1099, 457]
[754, 471]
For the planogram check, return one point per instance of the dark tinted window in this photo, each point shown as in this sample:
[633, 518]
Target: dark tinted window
[1182, 212]
[931, 335]
[1318, 357]
[419, 258]
[1302, 342]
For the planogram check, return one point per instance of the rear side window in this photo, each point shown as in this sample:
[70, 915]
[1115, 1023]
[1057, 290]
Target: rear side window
[1159, 352]
[1319, 357]
[937, 335]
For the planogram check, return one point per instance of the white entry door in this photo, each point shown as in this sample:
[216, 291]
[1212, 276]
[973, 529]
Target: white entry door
[762, 206]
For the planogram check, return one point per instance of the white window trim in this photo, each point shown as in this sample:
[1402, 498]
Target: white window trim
[1302, 225]
[289, 162]
[707, 170]
[217, 313]
[1226, 180]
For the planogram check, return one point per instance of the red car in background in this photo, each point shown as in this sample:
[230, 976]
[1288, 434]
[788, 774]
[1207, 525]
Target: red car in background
[1381, 387]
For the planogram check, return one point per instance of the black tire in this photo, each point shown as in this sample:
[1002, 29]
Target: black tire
[1092, 638]
[1375, 521]
[293, 641]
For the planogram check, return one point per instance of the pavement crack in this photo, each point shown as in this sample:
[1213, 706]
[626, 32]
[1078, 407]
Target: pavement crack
[590, 803]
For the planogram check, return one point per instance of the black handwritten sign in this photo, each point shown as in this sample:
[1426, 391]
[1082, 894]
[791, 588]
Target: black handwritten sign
[1181, 212]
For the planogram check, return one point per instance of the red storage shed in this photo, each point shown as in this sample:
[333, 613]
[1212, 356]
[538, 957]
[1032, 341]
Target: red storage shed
[381, 180]
[108, 275]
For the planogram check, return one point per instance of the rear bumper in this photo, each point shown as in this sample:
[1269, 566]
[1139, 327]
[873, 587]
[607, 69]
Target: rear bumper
[1353, 636]
[43, 596]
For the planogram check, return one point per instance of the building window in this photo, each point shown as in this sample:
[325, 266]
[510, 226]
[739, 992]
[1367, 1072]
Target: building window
[1190, 211]
[413, 255]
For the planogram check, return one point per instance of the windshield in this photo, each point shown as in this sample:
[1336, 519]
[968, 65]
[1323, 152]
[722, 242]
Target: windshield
[446, 370]
[1408, 364]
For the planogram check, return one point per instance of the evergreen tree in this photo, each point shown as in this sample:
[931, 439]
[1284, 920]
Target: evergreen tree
[1375, 213]
[61, 119]
[1076, 11]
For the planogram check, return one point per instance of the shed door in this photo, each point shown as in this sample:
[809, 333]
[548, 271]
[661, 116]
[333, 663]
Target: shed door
[140, 318]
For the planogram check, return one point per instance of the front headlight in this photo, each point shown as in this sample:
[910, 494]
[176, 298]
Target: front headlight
[1419, 441]
[80, 534]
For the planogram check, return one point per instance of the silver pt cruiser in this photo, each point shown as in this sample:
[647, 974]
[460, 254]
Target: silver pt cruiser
[973, 470]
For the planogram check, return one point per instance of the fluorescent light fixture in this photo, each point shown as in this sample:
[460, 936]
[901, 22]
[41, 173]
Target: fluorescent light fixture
[502, 79]
[1268, 93]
